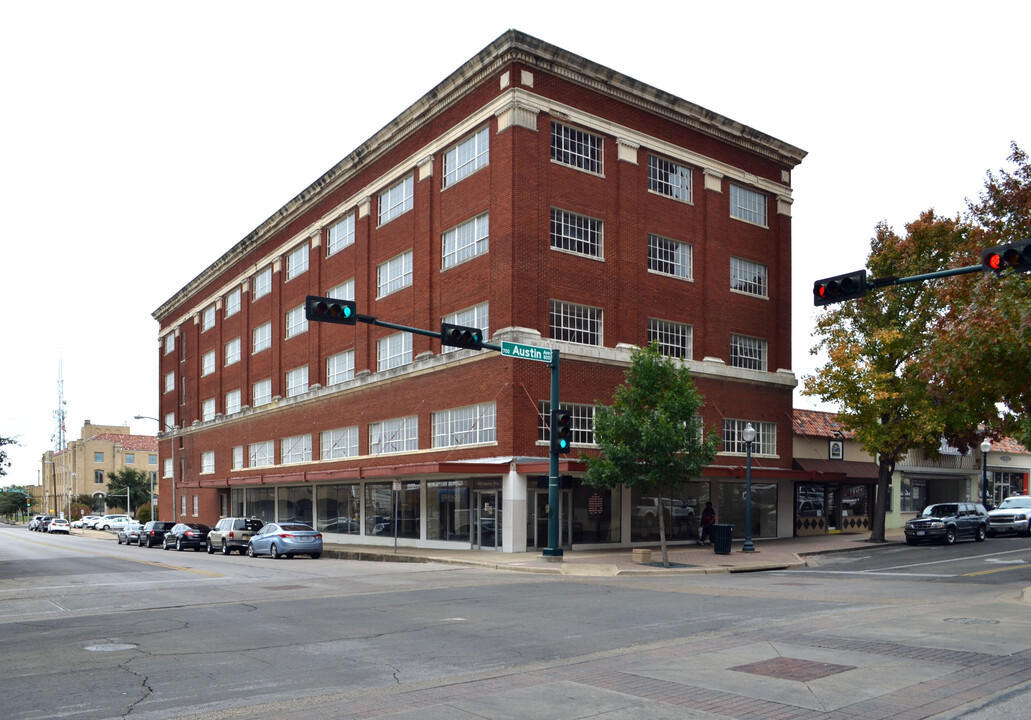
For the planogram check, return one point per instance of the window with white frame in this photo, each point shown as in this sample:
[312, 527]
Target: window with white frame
[669, 257]
[262, 454]
[468, 240]
[467, 157]
[674, 339]
[296, 449]
[169, 342]
[765, 442]
[478, 316]
[182, 498]
[196, 504]
[748, 277]
[207, 462]
[207, 409]
[261, 337]
[341, 235]
[668, 178]
[232, 301]
[238, 457]
[207, 363]
[469, 425]
[340, 367]
[339, 443]
[575, 323]
[297, 381]
[296, 321]
[262, 284]
[233, 351]
[394, 274]
[580, 149]
[233, 401]
[169, 421]
[748, 205]
[169, 382]
[343, 291]
[207, 319]
[576, 233]
[262, 393]
[747, 352]
[394, 350]
[583, 422]
[166, 468]
[396, 200]
[297, 262]
[394, 436]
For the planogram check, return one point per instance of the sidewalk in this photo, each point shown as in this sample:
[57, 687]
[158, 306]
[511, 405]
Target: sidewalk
[771, 554]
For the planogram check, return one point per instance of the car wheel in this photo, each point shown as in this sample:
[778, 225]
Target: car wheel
[1028, 532]
[981, 533]
[950, 536]
[250, 550]
[316, 556]
[225, 548]
[274, 552]
[106, 527]
[179, 545]
[164, 545]
[211, 548]
[119, 539]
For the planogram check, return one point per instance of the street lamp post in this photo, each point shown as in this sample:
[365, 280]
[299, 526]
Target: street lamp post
[985, 447]
[167, 428]
[748, 435]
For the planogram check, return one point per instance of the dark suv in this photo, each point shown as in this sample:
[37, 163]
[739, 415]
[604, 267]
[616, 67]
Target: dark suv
[948, 522]
[232, 533]
[153, 533]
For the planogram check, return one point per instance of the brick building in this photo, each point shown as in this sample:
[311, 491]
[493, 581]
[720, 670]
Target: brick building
[550, 201]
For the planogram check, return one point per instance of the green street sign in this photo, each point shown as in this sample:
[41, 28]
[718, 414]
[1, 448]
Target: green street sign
[526, 352]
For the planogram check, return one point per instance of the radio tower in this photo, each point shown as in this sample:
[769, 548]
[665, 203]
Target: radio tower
[59, 414]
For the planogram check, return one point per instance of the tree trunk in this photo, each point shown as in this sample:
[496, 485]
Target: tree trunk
[885, 470]
[662, 534]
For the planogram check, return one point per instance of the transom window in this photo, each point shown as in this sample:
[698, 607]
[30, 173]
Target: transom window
[669, 179]
[262, 337]
[577, 148]
[339, 443]
[232, 303]
[765, 442]
[466, 157]
[393, 436]
[583, 423]
[296, 449]
[669, 257]
[748, 205]
[340, 367]
[297, 381]
[747, 352]
[261, 454]
[674, 339]
[575, 323]
[296, 321]
[297, 262]
[748, 277]
[394, 350]
[477, 316]
[262, 393]
[233, 402]
[207, 363]
[208, 319]
[465, 241]
[394, 274]
[465, 426]
[341, 235]
[262, 284]
[576, 233]
[396, 200]
[233, 351]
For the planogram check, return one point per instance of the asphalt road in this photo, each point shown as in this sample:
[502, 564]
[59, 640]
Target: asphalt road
[91, 629]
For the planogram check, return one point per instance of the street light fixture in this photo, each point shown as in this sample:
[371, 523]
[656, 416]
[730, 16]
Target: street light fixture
[748, 435]
[985, 447]
[167, 428]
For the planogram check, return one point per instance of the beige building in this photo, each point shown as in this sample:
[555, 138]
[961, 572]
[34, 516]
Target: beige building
[82, 467]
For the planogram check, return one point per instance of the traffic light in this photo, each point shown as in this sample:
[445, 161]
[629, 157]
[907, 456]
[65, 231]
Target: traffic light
[460, 336]
[840, 287]
[1015, 255]
[561, 431]
[331, 310]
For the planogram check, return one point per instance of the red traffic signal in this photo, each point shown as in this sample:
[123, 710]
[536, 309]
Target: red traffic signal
[331, 310]
[561, 431]
[840, 287]
[1015, 255]
[461, 336]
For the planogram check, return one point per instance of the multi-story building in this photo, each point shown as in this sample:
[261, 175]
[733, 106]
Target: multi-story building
[82, 467]
[548, 200]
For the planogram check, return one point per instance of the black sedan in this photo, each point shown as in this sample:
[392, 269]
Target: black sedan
[186, 535]
[153, 533]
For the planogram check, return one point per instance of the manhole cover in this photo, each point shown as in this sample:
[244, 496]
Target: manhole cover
[110, 647]
[971, 621]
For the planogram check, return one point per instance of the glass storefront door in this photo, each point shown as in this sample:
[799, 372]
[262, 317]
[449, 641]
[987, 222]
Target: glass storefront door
[486, 529]
[539, 518]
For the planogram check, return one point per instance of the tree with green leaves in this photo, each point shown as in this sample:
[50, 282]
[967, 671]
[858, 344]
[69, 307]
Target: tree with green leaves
[876, 346]
[651, 437]
[4, 460]
[137, 483]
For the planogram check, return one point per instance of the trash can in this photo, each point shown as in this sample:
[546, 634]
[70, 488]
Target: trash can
[721, 537]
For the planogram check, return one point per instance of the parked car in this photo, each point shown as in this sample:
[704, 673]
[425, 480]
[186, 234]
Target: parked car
[58, 525]
[186, 535]
[948, 522]
[232, 533]
[285, 539]
[1012, 516]
[36, 523]
[130, 534]
[85, 521]
[112, 522]
[153, 533]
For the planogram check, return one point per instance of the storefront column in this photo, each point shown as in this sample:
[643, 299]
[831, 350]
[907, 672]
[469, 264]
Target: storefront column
[513, 528]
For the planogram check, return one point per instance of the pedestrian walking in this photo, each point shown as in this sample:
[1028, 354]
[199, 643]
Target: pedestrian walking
[708, 520]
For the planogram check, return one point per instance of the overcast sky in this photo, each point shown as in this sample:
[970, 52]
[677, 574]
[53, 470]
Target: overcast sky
[141, 140]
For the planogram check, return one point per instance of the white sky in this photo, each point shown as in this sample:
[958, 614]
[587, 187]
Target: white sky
[141, 140]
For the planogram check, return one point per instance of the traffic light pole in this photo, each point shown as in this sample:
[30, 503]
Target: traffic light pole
[887, 281]
[554, 549]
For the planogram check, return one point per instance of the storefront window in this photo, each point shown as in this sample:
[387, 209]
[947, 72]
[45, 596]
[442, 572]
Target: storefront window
[596, 513]
[236, 500]
[914, 494]
[681, 508]
[295, 505]
[339, 509]
[731, 508]
[380, 512]
[261, 503]
[447, 510]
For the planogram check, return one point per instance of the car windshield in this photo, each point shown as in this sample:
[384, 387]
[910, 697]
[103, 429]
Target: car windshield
[1015, 502]
[940, 510]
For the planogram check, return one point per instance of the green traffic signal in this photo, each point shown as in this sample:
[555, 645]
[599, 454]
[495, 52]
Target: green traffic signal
[561, 431]
[461, 336]
[331, 310]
